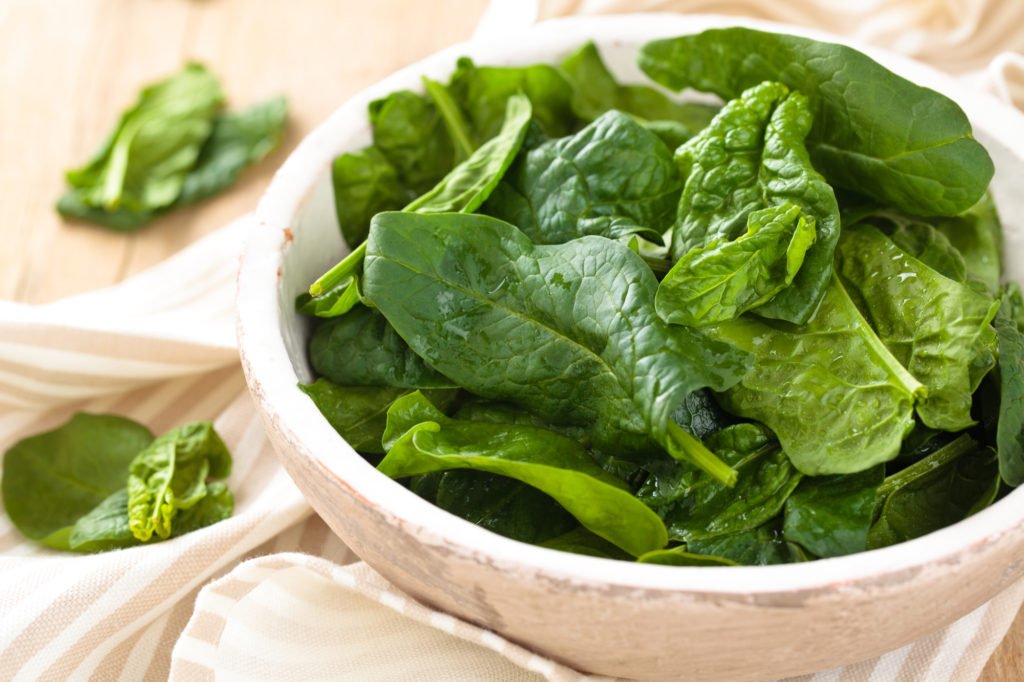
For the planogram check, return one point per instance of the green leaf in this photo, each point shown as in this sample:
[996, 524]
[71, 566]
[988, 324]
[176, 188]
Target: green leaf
[837, 399]
[612, 178]
[359, 413]
[761, 546]
[365, 183]
[170, 475]
[499, 504]
[72, 204]
[239, 139]
[482, 93]
[874, 132]
[361, 348]
[550, 328]
[332, 303]
[750, 157]
[678, 556]
[938, 329]
[701, 507]
[1010, 430]
[551, 463]
[410, 133]
[53, 479]
[720, 281]
[596, 91]
[142, 166]
[940, 490]
[830, 515]
[931, 247]
[469, 184]
[978, 235]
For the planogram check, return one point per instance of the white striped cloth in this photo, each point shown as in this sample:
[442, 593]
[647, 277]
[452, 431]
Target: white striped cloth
[271, 593]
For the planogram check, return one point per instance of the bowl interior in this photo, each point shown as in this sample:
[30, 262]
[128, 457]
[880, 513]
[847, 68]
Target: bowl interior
[303, 202]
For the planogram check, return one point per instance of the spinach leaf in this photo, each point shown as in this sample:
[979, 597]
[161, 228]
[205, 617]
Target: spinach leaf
[411, 134]
[106, 526]
[978, 236]
[943, 488]
[454, 122]
[53, 479]
[702, 508]
[720, 281]
[679, 556]
[874, 132]
[758, 547]
[837, 399]
[700, 415]
[143, 164]
[239, 139]
[596, 91]
[931, 247]
[830, 515]
[551, 463]
[361, 348]
[752, 156]
[566, 331]
[365, 183]
[1009, 325]
[499, 504]
[359, 413]
[938, 329]
[467, 186]
[334, 302]
[476, 409]
[612, 178]
[170, 475]
[482, 93]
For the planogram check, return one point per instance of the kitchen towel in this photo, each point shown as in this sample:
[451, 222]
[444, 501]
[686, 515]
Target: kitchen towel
[272, 593]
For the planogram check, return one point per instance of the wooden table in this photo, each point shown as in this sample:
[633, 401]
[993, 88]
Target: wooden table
[67, 67]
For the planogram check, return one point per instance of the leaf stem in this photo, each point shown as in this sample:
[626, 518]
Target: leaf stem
[451, 115]
[685, 447]
[941, 457]
[339, 273]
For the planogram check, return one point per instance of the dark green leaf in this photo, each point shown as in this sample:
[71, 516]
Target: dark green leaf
[1010, 431]
[943, 488]
[720, 281]
[482, 92]
[551, 328]
[838, 401]
[750, 157]
[239, 139]
[700, 414]
[410, 133]
[830, 515]
[612, 178]
[53, 479]
[551, 463]
[359, 413]
[874, 132]
[978, 236]
[759, 547]
[360, 348]
[365, 183]
[596, 91]
[937, 328]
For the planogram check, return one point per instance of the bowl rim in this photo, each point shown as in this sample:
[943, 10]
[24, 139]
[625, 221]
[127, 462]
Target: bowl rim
[272, 379]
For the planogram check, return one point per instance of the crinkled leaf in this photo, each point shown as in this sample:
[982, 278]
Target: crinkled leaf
[938, 329]
[361, 348]
[720, 281]
[567, 331]
[874, 132]
[750, 157]
[170, 475]
[612, 178]
[1010, 430]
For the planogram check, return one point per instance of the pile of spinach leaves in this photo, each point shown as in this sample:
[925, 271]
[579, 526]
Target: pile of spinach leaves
[101, 482]
[172, 148]
[585, 315]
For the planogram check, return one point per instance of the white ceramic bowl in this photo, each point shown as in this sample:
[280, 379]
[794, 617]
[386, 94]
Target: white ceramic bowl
[599, 615]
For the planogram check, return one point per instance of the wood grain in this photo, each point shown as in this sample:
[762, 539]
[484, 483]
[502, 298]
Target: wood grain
[67, 67]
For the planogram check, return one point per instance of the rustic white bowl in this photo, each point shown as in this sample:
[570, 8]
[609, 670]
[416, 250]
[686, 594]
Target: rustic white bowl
[598, 615]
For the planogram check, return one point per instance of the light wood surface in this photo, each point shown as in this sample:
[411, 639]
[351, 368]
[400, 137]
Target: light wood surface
[68, 67]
